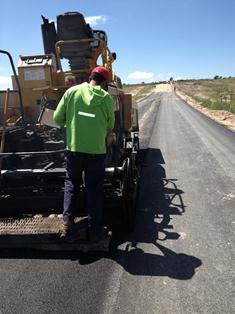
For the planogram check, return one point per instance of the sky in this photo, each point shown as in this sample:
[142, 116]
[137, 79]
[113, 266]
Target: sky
[154, 39]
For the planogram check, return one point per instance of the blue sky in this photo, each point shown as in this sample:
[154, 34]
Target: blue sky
[153, 39]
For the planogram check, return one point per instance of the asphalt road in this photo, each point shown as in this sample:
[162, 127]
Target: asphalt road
[180, 258]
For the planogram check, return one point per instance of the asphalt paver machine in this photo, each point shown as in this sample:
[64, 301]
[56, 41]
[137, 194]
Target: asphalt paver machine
[32, 152]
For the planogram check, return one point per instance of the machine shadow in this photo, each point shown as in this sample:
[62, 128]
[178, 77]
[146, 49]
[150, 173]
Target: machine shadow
[159, 199]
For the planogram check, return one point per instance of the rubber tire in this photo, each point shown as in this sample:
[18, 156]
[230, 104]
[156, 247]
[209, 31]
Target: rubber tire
[129, 190]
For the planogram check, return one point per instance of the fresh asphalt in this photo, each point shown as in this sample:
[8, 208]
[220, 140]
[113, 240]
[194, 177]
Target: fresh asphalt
[180, 257]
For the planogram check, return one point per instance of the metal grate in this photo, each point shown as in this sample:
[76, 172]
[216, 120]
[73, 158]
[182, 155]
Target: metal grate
[40, 232]
[52, 224]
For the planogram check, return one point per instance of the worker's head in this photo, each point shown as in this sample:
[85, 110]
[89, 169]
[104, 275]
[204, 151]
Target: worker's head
[100, 75]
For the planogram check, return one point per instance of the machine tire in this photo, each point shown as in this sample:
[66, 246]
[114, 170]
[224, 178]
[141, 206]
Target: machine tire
[129, 193]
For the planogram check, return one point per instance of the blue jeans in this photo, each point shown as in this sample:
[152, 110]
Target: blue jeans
[94, 169]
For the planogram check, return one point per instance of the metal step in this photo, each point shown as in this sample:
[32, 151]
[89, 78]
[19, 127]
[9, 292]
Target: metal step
[52, 224]
[40, 232]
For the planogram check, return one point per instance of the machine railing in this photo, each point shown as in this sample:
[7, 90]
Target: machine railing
[17, 83]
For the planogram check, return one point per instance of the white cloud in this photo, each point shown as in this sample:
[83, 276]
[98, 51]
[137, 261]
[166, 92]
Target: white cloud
[140, 75]
[95, 20]
[5, 82]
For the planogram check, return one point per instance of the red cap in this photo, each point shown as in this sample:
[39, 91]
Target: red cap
[102, 71]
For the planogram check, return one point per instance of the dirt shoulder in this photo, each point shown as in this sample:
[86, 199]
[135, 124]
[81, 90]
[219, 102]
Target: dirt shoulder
[221, 116]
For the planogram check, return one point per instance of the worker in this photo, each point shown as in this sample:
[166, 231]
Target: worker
[87, 112]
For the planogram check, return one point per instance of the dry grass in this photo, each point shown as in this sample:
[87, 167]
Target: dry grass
[139, 91]
[218, 94]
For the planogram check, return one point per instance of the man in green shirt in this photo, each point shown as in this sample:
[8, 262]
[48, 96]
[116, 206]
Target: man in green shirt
[87, 112]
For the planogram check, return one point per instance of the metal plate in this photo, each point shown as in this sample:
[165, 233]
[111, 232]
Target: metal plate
[33, 225]
[39, 232]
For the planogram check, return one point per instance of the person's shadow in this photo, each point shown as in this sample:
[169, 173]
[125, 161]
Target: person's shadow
[159, 199]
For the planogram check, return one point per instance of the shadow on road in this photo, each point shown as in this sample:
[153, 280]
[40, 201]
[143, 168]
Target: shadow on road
[170, 264]
[159, 200]
[137, 262]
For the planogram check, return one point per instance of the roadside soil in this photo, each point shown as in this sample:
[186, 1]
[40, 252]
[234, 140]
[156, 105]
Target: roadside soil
[223, 117]
[163, 88]
[136, 90]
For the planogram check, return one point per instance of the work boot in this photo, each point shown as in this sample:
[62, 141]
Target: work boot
[67, 230]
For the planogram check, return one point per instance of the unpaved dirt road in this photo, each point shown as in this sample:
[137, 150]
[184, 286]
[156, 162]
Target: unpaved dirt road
[179, 259]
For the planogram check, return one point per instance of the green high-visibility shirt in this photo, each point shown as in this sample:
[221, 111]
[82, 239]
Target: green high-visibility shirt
[87, 112]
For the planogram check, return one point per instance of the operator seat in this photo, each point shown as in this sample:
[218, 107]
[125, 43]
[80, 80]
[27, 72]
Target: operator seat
[72, 26]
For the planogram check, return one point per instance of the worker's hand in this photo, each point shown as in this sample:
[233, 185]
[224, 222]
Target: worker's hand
[110, 139]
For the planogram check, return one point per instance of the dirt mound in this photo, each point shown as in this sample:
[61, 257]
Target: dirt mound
[163, 88]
